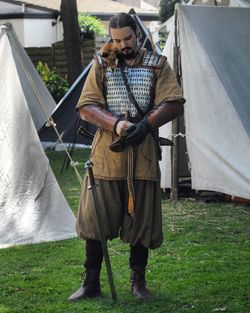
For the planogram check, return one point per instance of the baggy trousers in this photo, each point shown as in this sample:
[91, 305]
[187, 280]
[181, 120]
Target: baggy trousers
[144, 229]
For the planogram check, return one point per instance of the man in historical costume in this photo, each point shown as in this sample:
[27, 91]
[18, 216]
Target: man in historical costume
[125, 153]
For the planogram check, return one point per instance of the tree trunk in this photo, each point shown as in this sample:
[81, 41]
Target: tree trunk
[71, 39]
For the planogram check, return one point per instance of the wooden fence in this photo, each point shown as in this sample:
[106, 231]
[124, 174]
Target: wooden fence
[54, 56]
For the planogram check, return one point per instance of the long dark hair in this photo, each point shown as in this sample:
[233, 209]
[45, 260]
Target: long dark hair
[120, 20]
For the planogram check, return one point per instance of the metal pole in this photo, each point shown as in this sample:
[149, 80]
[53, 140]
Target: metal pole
[92, 188]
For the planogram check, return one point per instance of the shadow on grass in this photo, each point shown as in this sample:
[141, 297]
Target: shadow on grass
[126, 303]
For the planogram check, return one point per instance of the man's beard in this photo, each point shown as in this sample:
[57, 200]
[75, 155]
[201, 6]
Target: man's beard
[130, 55]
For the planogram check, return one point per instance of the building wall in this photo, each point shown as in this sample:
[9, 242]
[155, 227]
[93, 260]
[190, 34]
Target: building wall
[18, 26]
[36, 32]
[39, 33]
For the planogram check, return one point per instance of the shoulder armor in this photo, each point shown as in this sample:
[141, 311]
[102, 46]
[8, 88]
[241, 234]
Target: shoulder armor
[152, 59]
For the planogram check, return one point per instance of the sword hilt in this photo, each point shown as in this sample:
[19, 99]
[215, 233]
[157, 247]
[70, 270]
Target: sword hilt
[88, 167]
[88, 164]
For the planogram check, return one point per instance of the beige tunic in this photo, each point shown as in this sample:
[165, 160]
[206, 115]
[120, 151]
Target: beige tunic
[109, 165]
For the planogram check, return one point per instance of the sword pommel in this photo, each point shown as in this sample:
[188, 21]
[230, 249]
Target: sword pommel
[88, 164]
[88, 167]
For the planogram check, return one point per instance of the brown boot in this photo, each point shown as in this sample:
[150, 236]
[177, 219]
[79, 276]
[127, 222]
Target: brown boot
[90, 287]
[138, 281]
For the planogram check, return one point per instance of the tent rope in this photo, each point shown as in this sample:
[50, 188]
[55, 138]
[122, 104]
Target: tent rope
[50, 121]
[72, 162]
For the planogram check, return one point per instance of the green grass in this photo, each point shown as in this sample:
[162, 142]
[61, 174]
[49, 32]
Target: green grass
[67, 178]
[202, 266]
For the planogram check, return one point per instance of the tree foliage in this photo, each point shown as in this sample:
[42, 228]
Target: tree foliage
[167, 8]
[89, 26]
[55, 83]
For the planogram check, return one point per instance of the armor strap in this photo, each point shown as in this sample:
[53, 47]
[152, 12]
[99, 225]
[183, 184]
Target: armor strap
[130, 93]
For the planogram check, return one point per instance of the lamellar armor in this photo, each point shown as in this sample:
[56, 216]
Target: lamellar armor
[141, 79]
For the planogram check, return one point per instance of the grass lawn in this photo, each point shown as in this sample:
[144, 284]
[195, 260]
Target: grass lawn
[202, 266]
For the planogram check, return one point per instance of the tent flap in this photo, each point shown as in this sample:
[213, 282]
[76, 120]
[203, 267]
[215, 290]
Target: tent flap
[32, 206]
[216, 79]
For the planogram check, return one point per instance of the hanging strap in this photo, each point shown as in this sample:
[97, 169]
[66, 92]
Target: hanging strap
[131, 152]
[130, 181]
[130, 93]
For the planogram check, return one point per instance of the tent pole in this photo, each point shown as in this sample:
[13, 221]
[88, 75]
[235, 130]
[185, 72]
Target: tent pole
[174, 163]
[175, 130]
[174, 150]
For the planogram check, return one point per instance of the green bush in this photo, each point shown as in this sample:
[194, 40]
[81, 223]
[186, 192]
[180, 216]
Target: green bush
[89, 26]
[55, 83]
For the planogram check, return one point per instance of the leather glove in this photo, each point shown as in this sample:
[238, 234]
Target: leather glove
[138, 132]
[119, 144]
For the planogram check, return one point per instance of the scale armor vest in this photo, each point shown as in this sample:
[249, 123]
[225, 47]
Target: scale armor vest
[141, 80]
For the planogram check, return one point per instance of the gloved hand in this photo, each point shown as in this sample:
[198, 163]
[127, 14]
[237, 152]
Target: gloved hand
[119, 144]
[138, 132]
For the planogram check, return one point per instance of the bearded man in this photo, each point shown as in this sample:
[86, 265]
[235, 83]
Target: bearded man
[125, 153]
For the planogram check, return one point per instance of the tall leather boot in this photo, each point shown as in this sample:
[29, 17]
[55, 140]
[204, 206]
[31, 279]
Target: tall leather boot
[138, 283]
[90, 287]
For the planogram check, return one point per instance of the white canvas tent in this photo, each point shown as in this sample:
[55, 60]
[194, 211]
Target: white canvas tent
[214, 51]
[32, 206]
